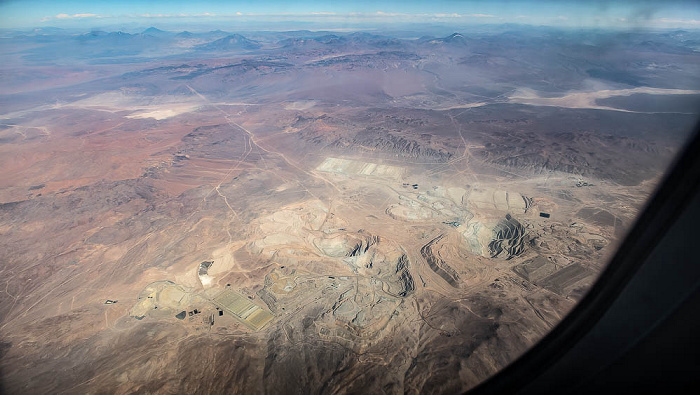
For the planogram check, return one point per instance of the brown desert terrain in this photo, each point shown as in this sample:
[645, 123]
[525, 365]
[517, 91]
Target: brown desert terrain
[346, 214]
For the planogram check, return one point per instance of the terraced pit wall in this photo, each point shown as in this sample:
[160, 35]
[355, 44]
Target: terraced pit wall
[439, 266]
[509, 237]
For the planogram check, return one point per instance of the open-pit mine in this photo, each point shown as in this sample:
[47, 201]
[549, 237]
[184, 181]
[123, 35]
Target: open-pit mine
[315, 212]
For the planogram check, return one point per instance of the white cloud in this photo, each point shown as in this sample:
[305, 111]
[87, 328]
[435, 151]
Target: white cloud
[66, 17]
[679, 21]
[453, 15]
[382, 13]
[180, 15]
[325, 15]
[70, 16]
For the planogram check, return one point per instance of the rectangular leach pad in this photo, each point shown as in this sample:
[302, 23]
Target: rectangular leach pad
[240, 307]
[350, 167]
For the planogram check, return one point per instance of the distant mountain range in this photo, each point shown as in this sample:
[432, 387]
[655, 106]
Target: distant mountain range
[473, 49]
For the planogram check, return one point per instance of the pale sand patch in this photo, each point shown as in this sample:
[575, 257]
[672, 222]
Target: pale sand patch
[587, 99]
[223, 260]
[233, 103]
[159, 107]
[223, 263]
[467, 105]
[206, 280]
[189, 279]
[300, 105]
[163, 112]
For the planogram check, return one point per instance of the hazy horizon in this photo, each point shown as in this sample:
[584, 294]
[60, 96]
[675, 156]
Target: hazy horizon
[317, 15]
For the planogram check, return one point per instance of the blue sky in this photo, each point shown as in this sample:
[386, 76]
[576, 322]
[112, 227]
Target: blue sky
[82, 13]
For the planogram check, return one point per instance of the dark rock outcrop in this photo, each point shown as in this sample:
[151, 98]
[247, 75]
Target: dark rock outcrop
[508, 238]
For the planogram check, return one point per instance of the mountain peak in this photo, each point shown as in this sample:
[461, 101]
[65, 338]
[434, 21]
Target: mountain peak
[152, 31]
[232, 42]
[455, 38]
